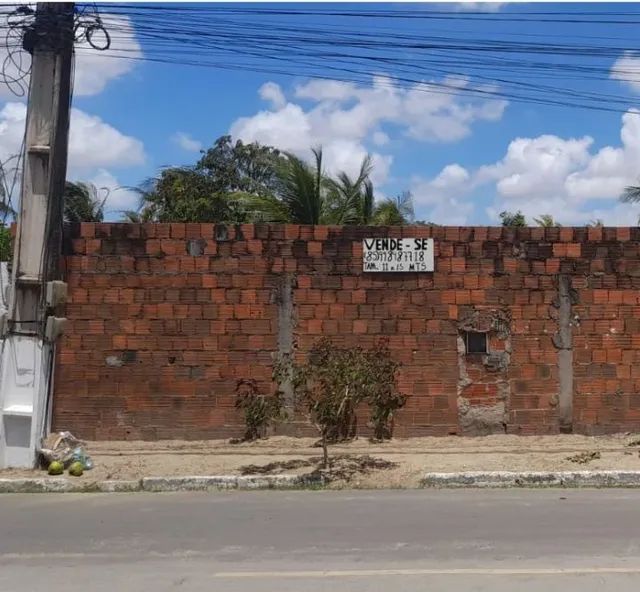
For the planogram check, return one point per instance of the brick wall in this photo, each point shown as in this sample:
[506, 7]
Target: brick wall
[164, 319]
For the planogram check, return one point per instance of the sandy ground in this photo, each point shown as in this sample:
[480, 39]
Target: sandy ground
[412, 457]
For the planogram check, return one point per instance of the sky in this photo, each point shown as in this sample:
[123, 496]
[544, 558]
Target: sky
[465, 155]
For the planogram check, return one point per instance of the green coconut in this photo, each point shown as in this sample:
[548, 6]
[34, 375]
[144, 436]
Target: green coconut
[56, 468]
[76, 469]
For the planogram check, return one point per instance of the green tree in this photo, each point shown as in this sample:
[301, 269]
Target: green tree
[511, 219]
[395, 211]
[597, 223]
[232, 182]
[302, 188]
[334, 381]
[82, 203]
[546, 220]
[253, 183]
[350, 201]
[185, 194]
[241, 168]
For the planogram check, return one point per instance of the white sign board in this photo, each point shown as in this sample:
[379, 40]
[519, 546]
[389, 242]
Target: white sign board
[397, 254]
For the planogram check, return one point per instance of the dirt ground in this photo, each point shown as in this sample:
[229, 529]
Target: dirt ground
[409, 458]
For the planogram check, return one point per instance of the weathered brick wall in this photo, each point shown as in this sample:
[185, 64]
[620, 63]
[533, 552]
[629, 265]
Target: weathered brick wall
[164, 319]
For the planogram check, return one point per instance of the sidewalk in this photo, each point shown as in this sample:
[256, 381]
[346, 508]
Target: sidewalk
[358, 464]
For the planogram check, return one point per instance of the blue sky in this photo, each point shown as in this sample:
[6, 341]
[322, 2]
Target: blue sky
[464, 159]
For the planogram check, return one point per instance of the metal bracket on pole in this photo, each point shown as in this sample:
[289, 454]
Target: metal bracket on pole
[54, 328]
[56, 293]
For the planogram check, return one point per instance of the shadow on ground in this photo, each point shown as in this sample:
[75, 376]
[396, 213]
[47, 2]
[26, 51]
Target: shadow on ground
[342, 467]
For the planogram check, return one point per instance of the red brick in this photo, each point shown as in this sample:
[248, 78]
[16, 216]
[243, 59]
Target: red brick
[178, 230]
[448, 297]
[314, 249]
[594, 233]
[291, 231]
[321, 233]
[574, 249]
[623, 233]
[458, 264]
[600, 296]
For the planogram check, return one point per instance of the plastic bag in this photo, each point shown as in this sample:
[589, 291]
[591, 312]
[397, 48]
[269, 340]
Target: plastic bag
[66, 448]
[80, 455]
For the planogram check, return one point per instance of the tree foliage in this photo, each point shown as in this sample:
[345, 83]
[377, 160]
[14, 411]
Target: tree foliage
[260, 410]
[82, 203]
[241, 168]
[334, 381]
[394, 211]
[237, 182]
[511, 219]
[546, 221]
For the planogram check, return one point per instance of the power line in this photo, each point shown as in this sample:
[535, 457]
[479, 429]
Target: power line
[534, 68]
[215, 37]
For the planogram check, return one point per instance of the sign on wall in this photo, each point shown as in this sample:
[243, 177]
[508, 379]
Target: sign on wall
[397, 254]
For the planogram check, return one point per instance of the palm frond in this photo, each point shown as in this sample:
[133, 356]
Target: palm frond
[301, 188]
[261, 208]
[631, 194]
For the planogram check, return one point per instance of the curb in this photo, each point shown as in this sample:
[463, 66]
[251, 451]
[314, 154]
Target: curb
[157, 484]
[532, 479]
[470, 479]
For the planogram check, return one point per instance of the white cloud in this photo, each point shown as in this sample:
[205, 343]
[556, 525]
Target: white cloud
[380, 138]
[12, 120]
[94, 146]
[536, 166]
[186, 142]
[627, 70]
[345, 118]
[271, 92]
[94, 69]
[441, 200]
[117, 198]
[94, 143]
[544, 175]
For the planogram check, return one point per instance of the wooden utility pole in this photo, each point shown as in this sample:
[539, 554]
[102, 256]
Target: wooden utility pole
[30, 329]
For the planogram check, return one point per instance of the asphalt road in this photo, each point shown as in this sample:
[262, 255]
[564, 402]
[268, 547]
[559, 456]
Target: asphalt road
[319, 540]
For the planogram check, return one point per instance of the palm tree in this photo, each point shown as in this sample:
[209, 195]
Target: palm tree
[302, 188]
[350, 201]
[597, 223]
[631, 194]
[394, 211]
[368, 203]
[546, 221]
[82, 203]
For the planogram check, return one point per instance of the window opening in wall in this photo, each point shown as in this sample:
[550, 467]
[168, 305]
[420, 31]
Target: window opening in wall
[475, 342]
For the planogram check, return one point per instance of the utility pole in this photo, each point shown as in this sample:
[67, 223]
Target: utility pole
[30, 327]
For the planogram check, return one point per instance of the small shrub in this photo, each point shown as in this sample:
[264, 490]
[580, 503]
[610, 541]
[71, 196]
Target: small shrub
[383, 396]
[260, 410]
[333, 381]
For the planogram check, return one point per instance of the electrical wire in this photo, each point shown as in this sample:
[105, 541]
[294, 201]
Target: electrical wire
[496, 68]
